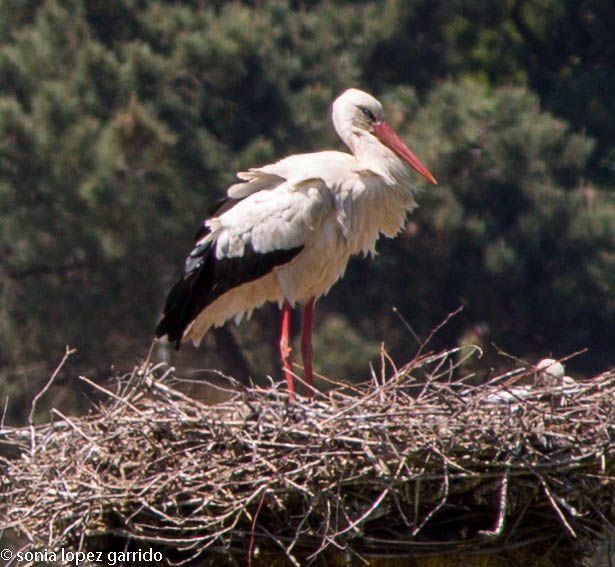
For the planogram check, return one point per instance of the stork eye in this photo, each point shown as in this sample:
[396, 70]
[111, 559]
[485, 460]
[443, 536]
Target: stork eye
[367, 113]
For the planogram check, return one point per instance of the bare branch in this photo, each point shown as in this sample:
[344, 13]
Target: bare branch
[41, 394]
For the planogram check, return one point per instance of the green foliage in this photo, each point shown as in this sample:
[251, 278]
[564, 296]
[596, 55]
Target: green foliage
[340, 350]
[121, 120]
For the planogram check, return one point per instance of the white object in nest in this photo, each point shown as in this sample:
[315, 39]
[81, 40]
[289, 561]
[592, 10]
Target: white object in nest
[549, 372]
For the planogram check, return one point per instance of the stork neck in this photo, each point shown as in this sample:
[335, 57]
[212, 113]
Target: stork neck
[373, 155]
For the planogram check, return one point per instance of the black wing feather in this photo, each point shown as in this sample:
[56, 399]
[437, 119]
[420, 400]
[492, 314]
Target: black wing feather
[205, 278]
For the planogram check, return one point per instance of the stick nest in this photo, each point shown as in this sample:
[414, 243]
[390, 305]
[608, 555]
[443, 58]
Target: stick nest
[419, 462]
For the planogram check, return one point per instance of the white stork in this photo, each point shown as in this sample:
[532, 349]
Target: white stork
[285, 232]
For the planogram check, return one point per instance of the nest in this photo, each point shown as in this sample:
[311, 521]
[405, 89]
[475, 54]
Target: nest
[414, 462]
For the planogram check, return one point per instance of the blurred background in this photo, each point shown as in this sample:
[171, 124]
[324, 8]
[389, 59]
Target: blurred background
[122, 120]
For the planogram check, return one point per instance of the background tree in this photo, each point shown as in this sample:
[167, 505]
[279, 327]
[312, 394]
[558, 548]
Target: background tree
[120, 121]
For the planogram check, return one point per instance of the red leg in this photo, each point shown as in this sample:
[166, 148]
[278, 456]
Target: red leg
[286, 350]
[306, 345]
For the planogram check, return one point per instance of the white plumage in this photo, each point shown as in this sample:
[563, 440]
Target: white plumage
[287, 229]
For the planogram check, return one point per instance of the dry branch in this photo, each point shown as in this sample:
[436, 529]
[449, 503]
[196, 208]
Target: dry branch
[417, 462]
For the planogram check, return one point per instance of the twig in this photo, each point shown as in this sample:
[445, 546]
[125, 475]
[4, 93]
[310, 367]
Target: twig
[4, 410]
[407, 325]
[111, 394]
[41, 394]
[437, 328]
[72, 424]
[502, 507]
[560, 514]
[441, 503]
[253, 527]
[353, 525]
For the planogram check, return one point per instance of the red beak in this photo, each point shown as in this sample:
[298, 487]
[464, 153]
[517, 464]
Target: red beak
[391, 140]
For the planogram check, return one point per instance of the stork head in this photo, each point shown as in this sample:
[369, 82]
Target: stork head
[357, 115]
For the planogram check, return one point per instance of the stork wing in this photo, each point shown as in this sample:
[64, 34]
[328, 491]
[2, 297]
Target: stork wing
[262, 231]
[253, 181]
[279, 219]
